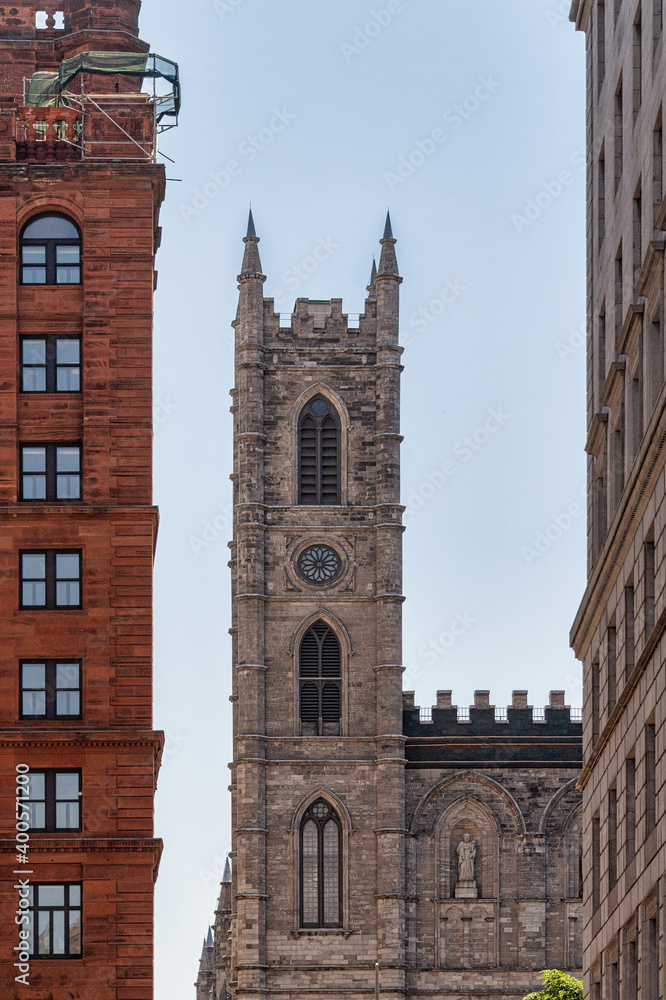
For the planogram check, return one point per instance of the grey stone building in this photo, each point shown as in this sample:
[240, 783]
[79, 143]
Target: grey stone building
[619, 629]
[442, 844]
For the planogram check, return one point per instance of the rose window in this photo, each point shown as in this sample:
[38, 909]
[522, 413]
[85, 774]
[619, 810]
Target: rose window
[319, 565]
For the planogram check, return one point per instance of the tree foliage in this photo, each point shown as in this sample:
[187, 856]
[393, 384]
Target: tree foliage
[558, 986]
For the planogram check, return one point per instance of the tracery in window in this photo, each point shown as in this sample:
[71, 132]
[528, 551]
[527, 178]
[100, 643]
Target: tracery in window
[321, 867]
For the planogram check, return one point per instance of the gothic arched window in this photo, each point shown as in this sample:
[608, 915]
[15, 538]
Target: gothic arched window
[321, 867]
[319, 681]
[50, 251]
[318, 454]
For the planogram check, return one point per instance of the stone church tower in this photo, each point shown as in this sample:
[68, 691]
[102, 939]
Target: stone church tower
[316, 567]
[442, 844]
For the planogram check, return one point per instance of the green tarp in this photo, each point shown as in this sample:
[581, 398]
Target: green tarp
[47, 89]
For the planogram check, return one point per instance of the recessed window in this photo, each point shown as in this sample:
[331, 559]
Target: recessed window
[50, 364]
[51, 252]
[50, 472]
[54, 920]
[319, 670]
[54, 800]
[50, 579]
[318, 454]
[321, 867]
[50, 689]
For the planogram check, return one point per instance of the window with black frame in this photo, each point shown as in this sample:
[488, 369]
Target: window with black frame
[50, 579]
[50, 689]
[318, 454]
[50, 364]
[53, 803]
[320, 682]
[50, 472]
[54, 927]
[51, 251]
[321, 867]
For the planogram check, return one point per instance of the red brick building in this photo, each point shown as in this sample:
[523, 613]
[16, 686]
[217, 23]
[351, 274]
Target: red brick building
[80, 191]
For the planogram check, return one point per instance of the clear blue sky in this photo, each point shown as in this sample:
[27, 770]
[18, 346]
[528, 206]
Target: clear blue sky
[467, 118]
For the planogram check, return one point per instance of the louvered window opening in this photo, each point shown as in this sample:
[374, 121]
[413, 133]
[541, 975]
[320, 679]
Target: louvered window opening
[319, 455]
[321, 867]
[319, 672]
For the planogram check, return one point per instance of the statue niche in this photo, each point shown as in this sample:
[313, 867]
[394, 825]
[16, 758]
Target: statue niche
[466, 860]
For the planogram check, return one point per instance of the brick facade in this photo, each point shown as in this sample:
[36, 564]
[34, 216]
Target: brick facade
[114, 856]
[405, 786]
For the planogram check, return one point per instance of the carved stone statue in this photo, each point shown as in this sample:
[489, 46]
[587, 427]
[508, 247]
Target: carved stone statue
[466, 851]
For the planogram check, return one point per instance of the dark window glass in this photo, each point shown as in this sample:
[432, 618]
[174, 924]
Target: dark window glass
[50, 364]
[54, 800]
[51, 252]
[50, 579]
[50, 472]
[50, 689]
[319, 454]
[321, 867]
[319, 670]
[55, 921]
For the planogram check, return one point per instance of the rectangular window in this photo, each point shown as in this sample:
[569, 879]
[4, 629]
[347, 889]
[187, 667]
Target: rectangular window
[601, 196]
[594, 689]
[632, 969]
[612, 838]
[619, 297]
[657, 167]
[54, 800]
[614, 981]
[612, 668]
[50, 579]
[596, 863]
[648, 597]
[650, 780]
[638, 63]
[619, 138]
[638, 232]
[653, 958]
[50, 689]
[50, 364]
[630, 809]
[50, 472]
[54, 920]
[602, 354]
[629, 630]
[654, 361]
[657, 25]
[616, 12]
[601, 44]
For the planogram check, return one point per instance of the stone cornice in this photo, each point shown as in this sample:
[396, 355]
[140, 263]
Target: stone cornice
[596, 433]
[613, 384]
[631, 321]
[73, 738]
[69, 845]
[580, 13]
[78, 510]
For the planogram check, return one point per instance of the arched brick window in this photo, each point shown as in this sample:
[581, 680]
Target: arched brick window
[50, 251]
[321, 867]
[318, 454]
[320, 681]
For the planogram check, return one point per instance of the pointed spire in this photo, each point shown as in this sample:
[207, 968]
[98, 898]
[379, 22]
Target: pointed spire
[209, 943]
[251, 261]
[373, 273]
[388, 264]
[227, 871]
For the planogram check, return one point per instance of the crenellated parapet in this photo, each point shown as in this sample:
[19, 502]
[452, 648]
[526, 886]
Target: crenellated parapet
[483, 735]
